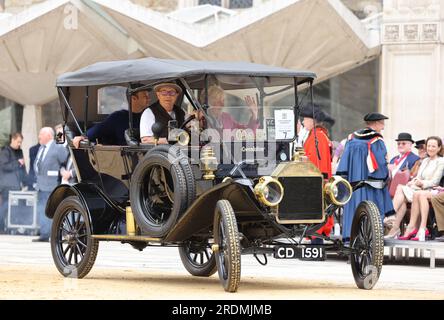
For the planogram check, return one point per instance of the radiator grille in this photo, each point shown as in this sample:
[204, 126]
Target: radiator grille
[303, 198]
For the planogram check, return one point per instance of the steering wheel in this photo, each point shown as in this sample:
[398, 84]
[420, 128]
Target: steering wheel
[186, 121]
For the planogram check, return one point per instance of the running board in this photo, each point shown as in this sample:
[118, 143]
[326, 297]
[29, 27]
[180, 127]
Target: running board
[113, 237]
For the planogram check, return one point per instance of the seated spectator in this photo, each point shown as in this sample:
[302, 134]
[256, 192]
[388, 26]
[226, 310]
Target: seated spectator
[429, 176]
[422, 153]
[406, 158]
[437, 201]
[112, 129]
[401, 165]
[404, 176]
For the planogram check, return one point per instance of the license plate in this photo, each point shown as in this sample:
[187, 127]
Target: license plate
[309, 253]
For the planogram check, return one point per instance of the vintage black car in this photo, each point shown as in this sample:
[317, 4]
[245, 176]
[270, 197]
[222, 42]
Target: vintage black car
[214, 195]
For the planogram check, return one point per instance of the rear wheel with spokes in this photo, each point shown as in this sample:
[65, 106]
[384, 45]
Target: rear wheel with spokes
[73, 249]
[198, 258]
[367, 245]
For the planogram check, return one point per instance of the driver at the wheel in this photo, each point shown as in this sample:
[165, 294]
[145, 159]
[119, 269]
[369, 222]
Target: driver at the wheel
[162, 111]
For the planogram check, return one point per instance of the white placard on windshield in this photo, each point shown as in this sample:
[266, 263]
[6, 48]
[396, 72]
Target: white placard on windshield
[284, 124]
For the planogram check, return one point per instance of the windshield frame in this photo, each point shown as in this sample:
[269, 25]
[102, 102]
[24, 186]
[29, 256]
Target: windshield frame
[192, 96]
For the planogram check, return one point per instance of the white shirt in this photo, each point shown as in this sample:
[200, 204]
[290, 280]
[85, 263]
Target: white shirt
[147, 120]
[302, 136]
[40, 157]
[397, 167]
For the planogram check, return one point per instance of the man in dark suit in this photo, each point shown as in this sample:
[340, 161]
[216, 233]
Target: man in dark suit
[32, 179]
[67, 172]
[50, 158]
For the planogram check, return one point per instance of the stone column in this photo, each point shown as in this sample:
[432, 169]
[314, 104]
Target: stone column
[412, 69]
[31, 125]
[335, 108]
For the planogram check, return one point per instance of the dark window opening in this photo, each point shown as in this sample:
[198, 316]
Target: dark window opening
[240, 4]
[212, 2]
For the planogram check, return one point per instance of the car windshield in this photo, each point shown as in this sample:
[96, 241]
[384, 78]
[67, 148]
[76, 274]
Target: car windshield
[250, 108]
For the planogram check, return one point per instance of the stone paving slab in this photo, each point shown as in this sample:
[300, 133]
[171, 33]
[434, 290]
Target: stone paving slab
[19, 250]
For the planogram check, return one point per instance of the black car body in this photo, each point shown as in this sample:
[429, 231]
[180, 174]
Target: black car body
[250, 192]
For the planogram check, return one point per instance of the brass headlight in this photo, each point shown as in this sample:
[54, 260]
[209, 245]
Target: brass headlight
[180, 136]
[338, 190]
[183, 138]
[269, 191]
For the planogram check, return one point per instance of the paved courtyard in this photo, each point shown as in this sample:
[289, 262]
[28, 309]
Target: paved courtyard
[27, 272]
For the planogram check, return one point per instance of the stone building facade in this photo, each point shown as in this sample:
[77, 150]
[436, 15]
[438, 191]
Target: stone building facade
[401, 75]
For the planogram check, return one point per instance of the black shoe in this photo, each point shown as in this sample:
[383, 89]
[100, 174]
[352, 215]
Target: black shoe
[317, 241]
[40, 240]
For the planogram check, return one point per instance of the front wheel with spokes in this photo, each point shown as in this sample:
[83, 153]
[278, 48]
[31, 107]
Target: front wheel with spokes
[367, 245]
[73, 249]
[227, 246]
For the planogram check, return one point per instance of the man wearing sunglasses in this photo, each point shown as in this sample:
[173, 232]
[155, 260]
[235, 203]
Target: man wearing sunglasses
[406, 158]
[164, 110]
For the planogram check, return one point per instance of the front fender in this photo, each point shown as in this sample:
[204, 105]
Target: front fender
[200, 214]
[101, 210]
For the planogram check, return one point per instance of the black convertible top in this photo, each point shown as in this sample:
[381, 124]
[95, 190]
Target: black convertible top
[153, 69]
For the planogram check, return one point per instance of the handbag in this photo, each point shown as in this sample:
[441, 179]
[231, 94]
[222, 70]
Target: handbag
[401, 177]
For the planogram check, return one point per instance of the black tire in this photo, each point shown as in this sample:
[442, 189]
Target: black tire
[74, 251]
[198, 258]
[175, 154]
[228, 254]
[157, 206]
[367, 244]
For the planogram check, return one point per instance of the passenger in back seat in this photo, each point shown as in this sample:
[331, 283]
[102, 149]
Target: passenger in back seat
[111, 131]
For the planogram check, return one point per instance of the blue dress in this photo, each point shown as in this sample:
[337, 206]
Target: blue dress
[353, 167]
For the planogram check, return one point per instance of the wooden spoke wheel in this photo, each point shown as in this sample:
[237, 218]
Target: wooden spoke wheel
[198, 258]
[73, 249]
[367, 244]
[228, 252]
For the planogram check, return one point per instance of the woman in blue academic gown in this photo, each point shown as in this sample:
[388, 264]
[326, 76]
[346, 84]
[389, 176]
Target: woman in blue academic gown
[365, 158]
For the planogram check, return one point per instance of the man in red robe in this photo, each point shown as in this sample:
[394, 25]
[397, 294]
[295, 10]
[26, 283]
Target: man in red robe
[320, 156]
[323, 159]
